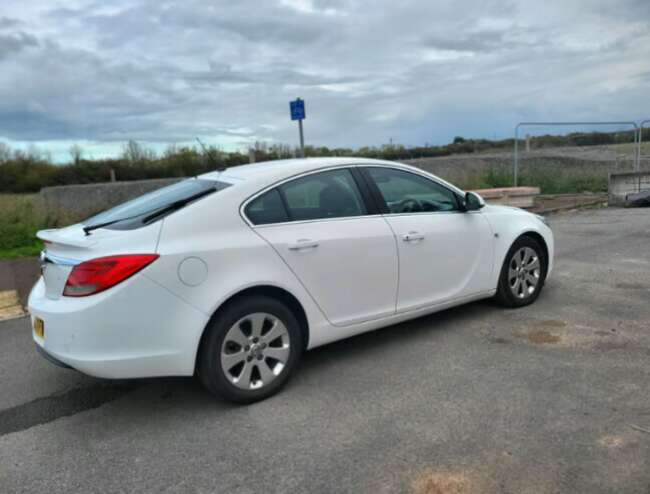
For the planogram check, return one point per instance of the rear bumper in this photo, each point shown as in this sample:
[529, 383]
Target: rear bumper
[50, 358]
[136, 329]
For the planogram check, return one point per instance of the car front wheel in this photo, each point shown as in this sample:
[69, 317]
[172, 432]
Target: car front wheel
[523, 273]
[250, 350]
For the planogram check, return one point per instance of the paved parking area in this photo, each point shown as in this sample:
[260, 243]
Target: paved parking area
[554, 397]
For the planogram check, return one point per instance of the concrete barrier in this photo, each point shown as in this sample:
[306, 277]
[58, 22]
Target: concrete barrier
[622, 184]
[519, 197]
[68, 203]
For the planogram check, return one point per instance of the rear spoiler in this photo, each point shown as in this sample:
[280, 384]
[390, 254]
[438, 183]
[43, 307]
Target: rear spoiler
[64, 236]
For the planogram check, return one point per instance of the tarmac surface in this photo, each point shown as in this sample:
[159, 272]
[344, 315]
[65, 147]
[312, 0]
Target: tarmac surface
[554, 397]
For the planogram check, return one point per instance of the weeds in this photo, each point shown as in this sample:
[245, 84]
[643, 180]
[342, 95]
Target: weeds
[20, 219]
[551, 179]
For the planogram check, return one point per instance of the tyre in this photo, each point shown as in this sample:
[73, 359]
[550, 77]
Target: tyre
[250, 349]
[523, 273]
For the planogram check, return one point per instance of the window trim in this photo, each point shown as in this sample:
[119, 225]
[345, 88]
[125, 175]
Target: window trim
[369, 205]
[372, 206]
[384, 207]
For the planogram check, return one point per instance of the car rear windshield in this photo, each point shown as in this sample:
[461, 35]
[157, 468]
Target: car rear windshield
[154, 205]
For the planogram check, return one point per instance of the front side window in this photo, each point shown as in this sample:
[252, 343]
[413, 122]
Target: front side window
[330, 194]
[406, 192]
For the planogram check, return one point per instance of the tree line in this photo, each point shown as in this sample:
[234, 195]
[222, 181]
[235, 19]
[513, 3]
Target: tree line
[28, 171]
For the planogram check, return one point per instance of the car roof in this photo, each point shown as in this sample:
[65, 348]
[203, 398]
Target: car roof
[279, 169]
[257, 176]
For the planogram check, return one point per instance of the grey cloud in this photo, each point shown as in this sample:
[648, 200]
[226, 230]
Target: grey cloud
[11, 44]
[644, 77]
[253, 21]
[412, 70]
[472, 42]
[630, 10]
[337, 5]
[17, 123]
[281, 74]
[7, 22]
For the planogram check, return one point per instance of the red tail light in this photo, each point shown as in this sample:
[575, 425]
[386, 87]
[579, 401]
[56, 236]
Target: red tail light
[99, 274]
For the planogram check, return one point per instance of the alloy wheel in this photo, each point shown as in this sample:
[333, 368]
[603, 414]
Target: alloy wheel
[524, 273]
[255, 350]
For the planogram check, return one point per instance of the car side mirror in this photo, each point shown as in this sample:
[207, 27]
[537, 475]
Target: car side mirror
[473, 201]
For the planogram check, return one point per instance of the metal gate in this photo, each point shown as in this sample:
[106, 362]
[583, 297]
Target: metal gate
[640, 155]
[633, 125]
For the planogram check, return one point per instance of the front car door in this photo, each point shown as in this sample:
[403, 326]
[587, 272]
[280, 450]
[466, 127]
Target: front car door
[444, 253]
[324, 229]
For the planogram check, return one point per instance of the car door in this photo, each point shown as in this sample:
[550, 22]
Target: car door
[444, 253]
[326, 232]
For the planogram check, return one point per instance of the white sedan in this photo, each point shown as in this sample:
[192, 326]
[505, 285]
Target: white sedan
[233, 274]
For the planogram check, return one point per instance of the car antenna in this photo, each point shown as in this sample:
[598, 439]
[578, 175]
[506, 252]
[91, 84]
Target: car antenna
[220, 168]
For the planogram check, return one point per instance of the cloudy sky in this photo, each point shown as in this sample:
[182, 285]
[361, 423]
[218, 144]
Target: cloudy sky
[100, 72]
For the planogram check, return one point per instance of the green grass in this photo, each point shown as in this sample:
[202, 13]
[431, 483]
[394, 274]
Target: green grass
[25, 251]
[630, 148]
[496, 177]
[20, 219]
[551, 179]
[565, 180]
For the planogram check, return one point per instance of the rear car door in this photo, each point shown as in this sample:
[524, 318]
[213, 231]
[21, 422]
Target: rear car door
[341, 250]
[444, 253]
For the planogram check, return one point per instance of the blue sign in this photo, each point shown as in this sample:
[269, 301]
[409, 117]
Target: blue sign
[297, 109]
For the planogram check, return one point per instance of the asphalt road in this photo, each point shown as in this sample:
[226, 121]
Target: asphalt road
[554, 397]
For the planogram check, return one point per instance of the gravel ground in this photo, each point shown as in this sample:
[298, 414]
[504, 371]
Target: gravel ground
[550, 398]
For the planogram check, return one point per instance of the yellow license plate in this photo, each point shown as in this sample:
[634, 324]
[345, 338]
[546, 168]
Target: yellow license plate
[39, 327]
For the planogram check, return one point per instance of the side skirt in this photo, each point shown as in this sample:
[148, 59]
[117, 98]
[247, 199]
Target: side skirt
[334, 333]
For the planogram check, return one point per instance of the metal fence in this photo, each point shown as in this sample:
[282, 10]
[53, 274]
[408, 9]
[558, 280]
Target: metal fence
[640, 155]
[633, 125]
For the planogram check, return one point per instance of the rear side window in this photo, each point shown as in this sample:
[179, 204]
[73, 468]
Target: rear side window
[330, 194]
[268, 208]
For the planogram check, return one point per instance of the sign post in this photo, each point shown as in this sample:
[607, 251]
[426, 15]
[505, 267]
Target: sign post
[297, 108]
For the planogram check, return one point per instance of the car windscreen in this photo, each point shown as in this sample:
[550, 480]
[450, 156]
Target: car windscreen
[154, 205]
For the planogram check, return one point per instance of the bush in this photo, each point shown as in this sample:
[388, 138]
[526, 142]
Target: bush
[20, 220]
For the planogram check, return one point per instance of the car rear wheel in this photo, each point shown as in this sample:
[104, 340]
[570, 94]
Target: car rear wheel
[523, 273]
[250, 350]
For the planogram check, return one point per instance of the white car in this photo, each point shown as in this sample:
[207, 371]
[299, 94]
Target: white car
[233, 274]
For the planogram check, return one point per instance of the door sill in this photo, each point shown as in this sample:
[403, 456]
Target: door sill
[453, 301]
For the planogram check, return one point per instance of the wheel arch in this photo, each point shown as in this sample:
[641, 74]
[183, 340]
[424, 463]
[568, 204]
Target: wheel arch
[542, 242]
[275, 292]
[527, 233]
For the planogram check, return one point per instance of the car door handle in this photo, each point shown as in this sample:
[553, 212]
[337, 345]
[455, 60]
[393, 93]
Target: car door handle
[412, 237]
[303, 243]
